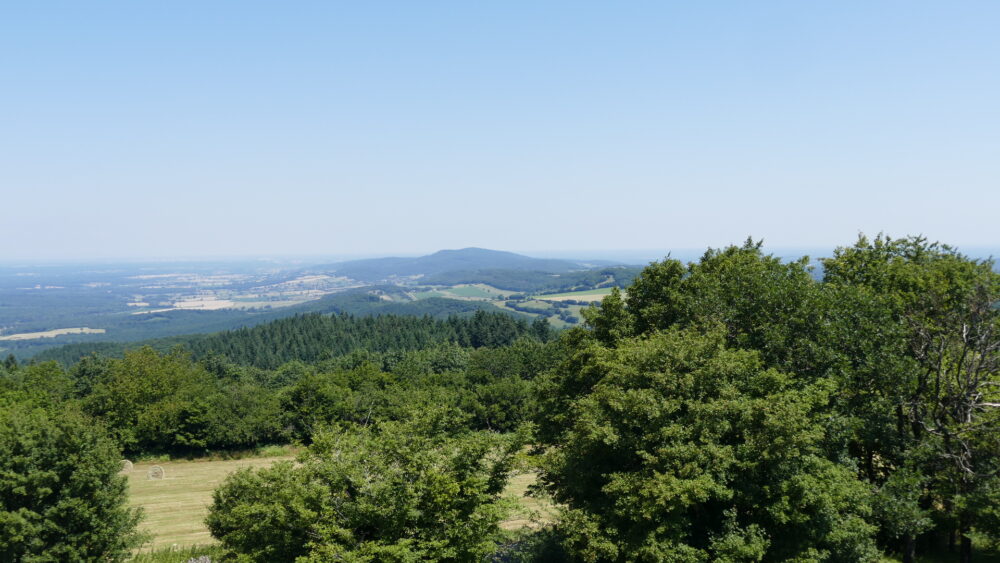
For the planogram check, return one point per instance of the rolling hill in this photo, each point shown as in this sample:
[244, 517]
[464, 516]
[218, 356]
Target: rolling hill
[444, 261]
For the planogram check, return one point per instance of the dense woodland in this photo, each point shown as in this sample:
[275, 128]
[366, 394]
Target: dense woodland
[737, 408]
[356, 303]
[314, 336]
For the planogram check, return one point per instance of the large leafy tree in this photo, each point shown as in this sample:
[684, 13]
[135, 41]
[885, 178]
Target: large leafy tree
[927, 403]
[681, 449]
[61, 498]
[763, 303]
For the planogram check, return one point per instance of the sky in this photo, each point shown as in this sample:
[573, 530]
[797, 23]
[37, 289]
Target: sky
[209, 129]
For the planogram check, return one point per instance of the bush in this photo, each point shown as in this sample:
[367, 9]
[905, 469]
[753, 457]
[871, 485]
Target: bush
[396, 491]
[61, 498]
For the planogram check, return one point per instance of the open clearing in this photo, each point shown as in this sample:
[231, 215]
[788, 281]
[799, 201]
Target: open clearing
[204, 304]
[176, 506]
[472, 291]
[535, 511]
[475, 292]
[586, 295]
[198, 304]
[429, 293]
[52, 333]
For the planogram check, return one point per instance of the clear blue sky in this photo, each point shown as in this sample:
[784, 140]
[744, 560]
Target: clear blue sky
[138, 129]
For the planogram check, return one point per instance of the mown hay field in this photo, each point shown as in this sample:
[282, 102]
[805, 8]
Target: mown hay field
[176, 506]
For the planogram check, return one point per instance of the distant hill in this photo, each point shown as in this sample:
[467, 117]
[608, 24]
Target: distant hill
[444, 261]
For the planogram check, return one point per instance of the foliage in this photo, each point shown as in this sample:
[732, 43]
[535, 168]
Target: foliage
[684, 450]
[494, 386]
[901, 333]
[154, 402]
[392, 491]
[938, 412]
[61, 498]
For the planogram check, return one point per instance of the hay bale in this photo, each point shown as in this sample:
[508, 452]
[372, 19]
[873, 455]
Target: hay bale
[127, 467]
[155, 472]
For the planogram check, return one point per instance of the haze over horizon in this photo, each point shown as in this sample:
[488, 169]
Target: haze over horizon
[247, 129]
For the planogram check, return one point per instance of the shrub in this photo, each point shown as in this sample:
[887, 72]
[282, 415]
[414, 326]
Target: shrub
[395, 491]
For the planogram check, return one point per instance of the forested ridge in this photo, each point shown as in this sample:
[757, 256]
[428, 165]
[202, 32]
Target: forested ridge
[736, 408]
[310, 338]
[359, 304]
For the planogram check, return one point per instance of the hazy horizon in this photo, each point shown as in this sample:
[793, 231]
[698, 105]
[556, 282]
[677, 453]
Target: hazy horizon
[247, 129]
[632, 256]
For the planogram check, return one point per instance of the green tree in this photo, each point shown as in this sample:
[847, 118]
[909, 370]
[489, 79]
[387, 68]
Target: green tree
[61, 498]
[151, 401]
[679, 449]
[542, 329]
[922, 378]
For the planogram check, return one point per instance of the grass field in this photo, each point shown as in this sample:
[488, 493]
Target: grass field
[52, 333]
[429, 294]
[535, 304]
[176, 506]
[471, 291]
[535, 511]
[585, 295]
